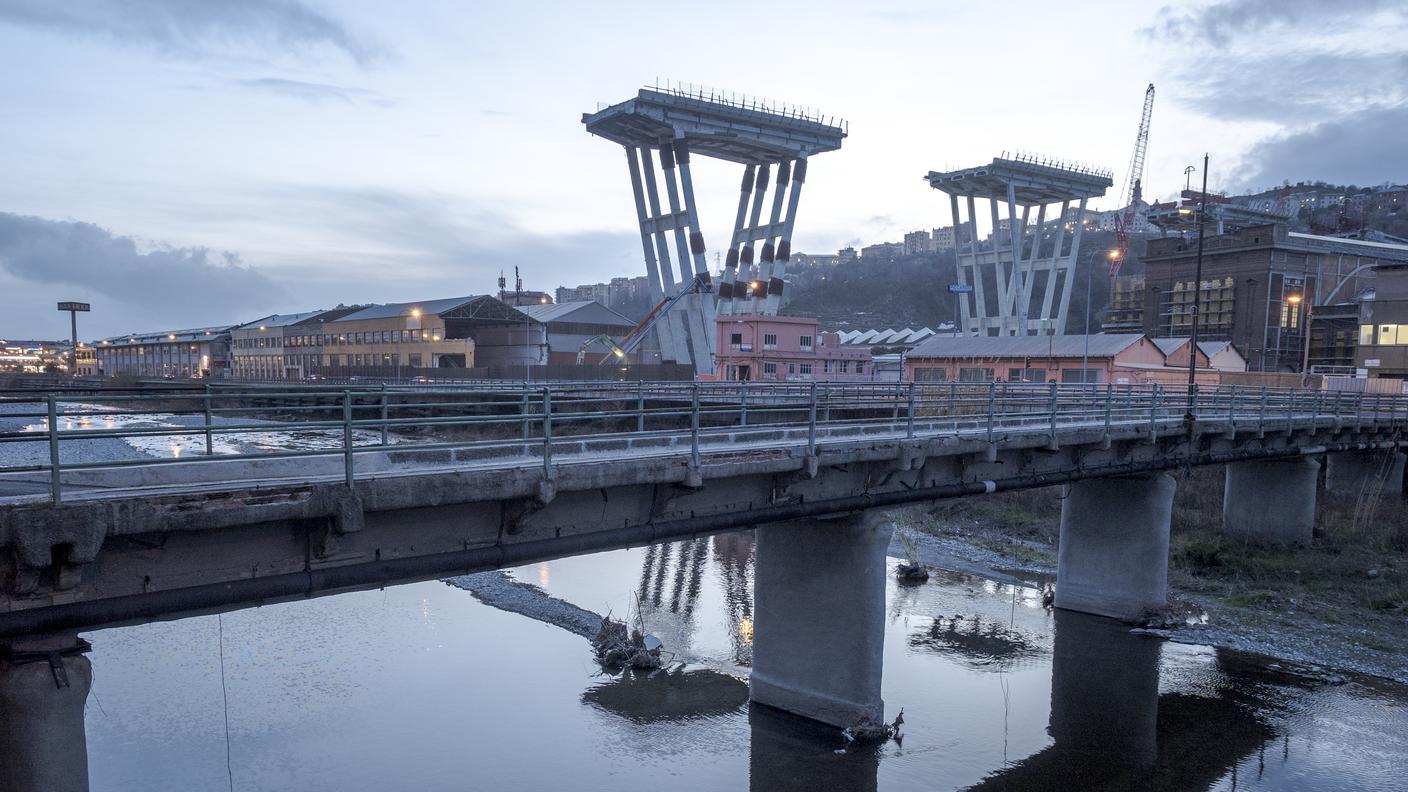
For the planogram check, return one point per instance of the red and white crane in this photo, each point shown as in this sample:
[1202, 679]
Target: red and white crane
[1133, 191]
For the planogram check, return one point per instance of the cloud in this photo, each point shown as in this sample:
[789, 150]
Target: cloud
[1219, 23]
[164, 286]
[315, 93]
[196, 29]
[1364, 149]
[1297, 87]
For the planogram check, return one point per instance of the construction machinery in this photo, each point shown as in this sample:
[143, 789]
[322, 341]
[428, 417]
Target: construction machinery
[618, 352]
[1133, 192]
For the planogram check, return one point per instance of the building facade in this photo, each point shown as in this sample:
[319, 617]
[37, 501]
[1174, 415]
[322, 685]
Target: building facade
[786, 348]
[573, 327]
[283, 346]
[1115, 358]
[202, 352]
[1257, 286]
[916, 242]
[944, 239]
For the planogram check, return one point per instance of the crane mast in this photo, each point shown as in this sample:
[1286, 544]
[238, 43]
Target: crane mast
[1132, 192]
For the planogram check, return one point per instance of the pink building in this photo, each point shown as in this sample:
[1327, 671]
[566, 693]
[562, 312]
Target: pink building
[1118, 358]
[785, 348]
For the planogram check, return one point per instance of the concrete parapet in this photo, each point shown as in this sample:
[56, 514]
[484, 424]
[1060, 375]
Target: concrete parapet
[1271, 501]
[819, 626]
[1112, 559]
[43, 688]
[1354, 474]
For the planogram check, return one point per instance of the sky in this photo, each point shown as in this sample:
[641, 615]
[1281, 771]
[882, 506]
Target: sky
[182, 164]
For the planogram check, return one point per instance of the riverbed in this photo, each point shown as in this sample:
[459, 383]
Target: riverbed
[425, 687]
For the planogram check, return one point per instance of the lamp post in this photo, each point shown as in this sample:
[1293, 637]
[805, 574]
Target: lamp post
[1296, 300]
[1197, 294]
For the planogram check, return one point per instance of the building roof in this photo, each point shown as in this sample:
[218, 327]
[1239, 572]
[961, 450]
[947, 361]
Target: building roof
[582, 311]
[1067, 346]
[1170, 345]
[391, 310]
[167, 336]
[288, 320]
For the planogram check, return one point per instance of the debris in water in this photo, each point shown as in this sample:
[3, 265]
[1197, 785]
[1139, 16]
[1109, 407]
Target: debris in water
[869, 732]
[912, 573]
[617, 647]
[1048, 595]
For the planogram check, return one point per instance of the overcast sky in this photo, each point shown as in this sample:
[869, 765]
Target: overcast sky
[186, 163]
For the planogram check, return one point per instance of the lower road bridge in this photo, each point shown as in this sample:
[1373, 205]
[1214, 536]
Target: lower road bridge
[382, 489]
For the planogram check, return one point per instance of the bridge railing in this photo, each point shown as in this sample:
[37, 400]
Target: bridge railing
[46, 436]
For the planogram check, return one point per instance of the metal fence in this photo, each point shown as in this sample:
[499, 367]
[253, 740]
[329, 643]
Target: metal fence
[527, 418]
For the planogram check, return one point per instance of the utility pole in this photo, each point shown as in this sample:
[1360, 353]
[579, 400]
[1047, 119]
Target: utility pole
[1197, 295]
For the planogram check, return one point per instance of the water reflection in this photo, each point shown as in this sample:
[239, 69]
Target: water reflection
[790, 753]
[1110, 727]
[669, 694]
[978, 641]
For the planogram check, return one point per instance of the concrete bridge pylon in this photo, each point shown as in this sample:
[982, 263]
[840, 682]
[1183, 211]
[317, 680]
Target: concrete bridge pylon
[819, 617]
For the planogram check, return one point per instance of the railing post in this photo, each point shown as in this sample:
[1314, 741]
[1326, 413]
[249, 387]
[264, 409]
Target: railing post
[1154, 413]
[826, 401]
[209, 441]
[899, 387]
[1290, 411]
[640, 405]
[992, 407]
[953, 401]
[347, 436]
[743, 403]
[1261, 414]
[694, 424]
[1053, 414]
[1315, 412]
[384, 415]
[55, 479]
[909, 422]
[527, 430]
[547, 434]
[1109, 404]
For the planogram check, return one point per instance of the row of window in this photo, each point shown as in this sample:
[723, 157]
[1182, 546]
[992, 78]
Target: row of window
[1384, 334]
[244, 364]
[981, 374]
[735, 340]
[338, 339]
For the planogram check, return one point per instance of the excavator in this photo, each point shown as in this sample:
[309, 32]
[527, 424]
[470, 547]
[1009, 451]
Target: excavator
[633, 339]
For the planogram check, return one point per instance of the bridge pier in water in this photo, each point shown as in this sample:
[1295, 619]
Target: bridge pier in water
[1355, 473]
[1112, 558]
[819, 617]
[1271, 501]
[44, 685]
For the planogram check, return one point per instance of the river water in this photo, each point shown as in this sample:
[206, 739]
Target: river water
[424, 687]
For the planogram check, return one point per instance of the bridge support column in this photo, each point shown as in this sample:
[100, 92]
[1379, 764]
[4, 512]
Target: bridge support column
[1112, 558]
[819, 607]
[1356, 473]
[1271, 501]
[43, 687]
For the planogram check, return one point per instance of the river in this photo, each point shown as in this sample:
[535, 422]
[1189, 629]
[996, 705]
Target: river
[425, 687]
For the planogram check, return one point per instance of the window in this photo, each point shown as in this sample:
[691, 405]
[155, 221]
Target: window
[971, 374]
[826, 367]
[860, 368]
[735, 339]
[930, 374]
[806, 368]
[806, 342]
[1026, 375]
[791, 369]
[415, 359]
[770, 368]
[845, 366]
[1078, 376]
[1366, 334]
[769, 340]
[1388, 334]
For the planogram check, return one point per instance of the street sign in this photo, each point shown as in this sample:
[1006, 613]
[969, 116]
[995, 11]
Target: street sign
[959, 288]
[74, 306]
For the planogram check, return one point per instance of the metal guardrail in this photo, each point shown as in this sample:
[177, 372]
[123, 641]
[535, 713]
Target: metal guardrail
[348, 422]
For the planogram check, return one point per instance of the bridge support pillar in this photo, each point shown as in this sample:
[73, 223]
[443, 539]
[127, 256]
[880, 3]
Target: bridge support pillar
[1353, 474]
[1112, 558]
[43, 687]
[819, 626]
[1271, 501]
